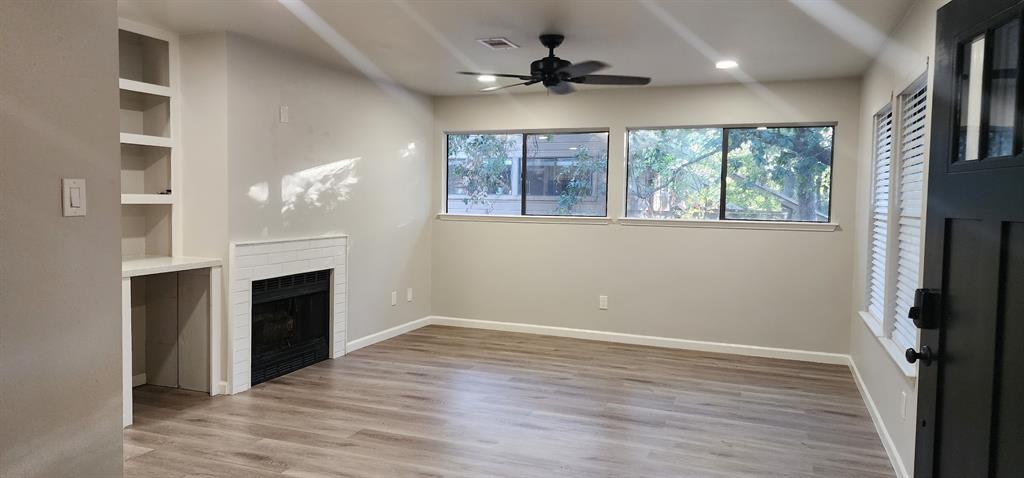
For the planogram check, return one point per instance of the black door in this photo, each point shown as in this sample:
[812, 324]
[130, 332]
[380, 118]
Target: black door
[971, 391]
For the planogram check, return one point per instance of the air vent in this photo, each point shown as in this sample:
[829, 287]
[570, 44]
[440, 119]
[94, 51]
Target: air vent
[498, 43]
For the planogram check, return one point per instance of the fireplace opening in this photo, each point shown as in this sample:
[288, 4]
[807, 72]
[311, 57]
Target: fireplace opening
[290, 317]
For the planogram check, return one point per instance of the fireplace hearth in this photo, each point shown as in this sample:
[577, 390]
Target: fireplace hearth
[290, 323]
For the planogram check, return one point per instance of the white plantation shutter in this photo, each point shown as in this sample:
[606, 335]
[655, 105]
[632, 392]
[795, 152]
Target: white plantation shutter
[911, 188]
[880, 214]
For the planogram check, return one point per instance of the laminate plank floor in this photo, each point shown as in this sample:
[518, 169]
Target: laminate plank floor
[448, 401]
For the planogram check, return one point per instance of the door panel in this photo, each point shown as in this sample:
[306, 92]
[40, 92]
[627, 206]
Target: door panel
[971, 391]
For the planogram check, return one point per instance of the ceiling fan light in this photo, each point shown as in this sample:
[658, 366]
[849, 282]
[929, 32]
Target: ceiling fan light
[726, 64]
[486, 78]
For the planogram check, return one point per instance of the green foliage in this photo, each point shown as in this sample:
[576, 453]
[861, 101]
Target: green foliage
[780, 173]
[482, 165]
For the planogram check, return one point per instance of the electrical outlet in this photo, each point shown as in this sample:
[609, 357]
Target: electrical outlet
[408, 294]
[602, 302]
[394, 297]
[903, 409]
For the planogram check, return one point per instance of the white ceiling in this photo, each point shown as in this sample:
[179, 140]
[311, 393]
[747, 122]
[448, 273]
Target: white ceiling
[421, 43]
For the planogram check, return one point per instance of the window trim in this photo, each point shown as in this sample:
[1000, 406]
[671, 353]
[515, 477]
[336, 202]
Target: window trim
[725, 171]
[524, 133]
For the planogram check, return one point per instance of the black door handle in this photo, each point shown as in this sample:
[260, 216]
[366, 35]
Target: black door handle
[925, 355]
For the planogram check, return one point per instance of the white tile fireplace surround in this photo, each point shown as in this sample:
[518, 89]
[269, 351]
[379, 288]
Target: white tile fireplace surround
[257, 260]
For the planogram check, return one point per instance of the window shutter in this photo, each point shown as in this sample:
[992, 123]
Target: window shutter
[911, 188]
[880, 214]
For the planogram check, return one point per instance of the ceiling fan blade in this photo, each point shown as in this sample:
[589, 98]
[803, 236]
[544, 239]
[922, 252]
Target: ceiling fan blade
[561, 88]
[582, 68]
[500, 75]
[498, 87]
[611, 80]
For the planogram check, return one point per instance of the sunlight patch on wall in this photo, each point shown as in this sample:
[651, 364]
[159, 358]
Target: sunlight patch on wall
[408, 151]
[320, 187]
[260, 192]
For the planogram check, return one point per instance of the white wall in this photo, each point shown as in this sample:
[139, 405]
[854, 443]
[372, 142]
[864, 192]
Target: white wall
[901, 62]
[60, 315]
[785, 289]
[354, 158]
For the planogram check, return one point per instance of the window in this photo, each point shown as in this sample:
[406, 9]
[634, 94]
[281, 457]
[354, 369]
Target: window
[564, 174]
[897, 196]
[757, 173]
[879, 222]
[912, 134]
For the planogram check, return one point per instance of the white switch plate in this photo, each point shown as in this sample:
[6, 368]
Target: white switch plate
[602, 302]
[903, 409]
[284, 113]
[394, 297]
[408, 294]
[73, 196]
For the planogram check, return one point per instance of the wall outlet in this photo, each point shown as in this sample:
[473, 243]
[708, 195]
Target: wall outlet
[408, 294]
[903, 408]
[602, 302]
[394, 297]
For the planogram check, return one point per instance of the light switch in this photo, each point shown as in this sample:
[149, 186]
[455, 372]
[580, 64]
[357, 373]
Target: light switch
[73, 195]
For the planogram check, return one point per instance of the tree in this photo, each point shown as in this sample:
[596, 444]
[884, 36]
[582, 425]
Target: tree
[781, 169]
[675, 173]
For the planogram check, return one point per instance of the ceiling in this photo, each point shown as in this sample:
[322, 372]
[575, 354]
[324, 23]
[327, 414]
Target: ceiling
[421, 43]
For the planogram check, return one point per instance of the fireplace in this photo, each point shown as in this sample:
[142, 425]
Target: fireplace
[290, 323]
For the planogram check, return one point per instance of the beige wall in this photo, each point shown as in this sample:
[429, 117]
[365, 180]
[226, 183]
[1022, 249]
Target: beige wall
[60, 319]
[354, 158]
[902, 61]
[785, 289]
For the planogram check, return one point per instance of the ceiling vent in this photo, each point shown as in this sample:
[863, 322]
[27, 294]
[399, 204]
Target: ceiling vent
[498, 43]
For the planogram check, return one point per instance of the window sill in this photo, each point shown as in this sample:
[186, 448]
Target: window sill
[733, 224]
[892, 350]
[525, 219]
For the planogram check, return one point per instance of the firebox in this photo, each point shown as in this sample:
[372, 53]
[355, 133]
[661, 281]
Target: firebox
[290, 320]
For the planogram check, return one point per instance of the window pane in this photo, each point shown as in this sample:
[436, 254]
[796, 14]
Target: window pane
[483, 173]
[1003, 90]
[781, 174]
[972, 64]
[674, 173]
[566, 174]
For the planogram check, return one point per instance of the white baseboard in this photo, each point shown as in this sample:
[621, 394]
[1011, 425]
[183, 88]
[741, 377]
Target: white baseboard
[139, 379]
[876, 418]
[650, 340]
[387, 334]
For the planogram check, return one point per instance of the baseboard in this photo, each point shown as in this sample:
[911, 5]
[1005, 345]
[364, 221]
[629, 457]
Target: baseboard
[654, 341]
[387, 334]
[139, 379]
[883, 433]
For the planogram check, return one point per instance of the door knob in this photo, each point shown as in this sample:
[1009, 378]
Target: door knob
[925, 355]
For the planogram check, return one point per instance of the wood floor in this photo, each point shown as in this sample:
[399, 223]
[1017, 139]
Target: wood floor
[445, 401]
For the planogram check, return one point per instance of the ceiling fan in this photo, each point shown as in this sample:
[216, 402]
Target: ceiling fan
[558, 75]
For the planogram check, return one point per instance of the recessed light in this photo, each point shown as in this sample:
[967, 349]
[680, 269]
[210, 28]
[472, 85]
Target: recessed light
[573, 148]
[486, 78]
[762, 128]
[726, 64]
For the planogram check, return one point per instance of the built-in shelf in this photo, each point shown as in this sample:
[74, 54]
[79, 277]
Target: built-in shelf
[145, 265]
[147, 199]
[145, 140]
[143, 87]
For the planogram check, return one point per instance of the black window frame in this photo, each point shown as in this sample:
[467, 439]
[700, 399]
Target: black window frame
[523, 165]
[723, 184]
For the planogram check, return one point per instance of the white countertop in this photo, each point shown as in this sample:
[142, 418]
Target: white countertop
[146, 265]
